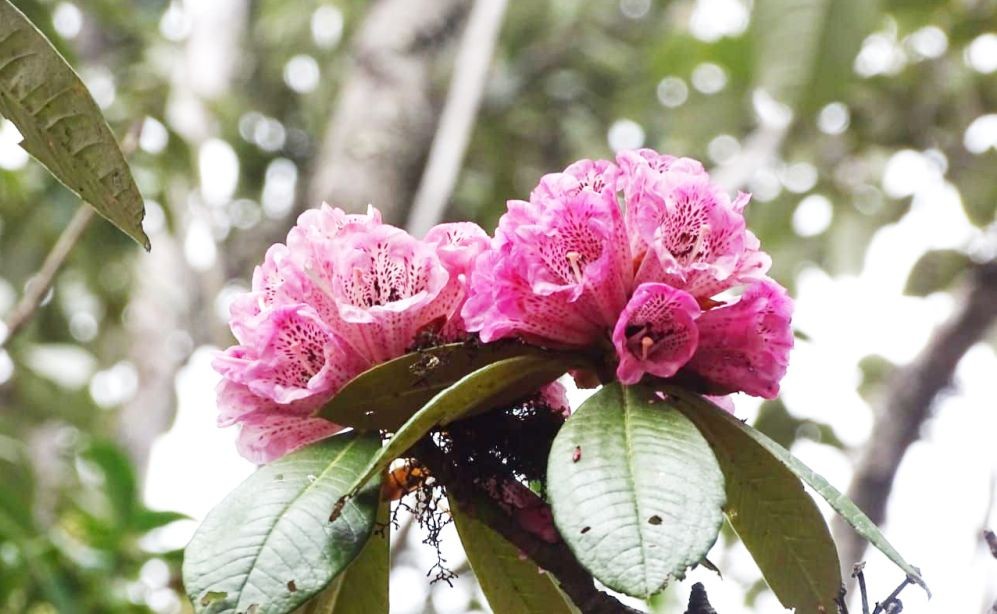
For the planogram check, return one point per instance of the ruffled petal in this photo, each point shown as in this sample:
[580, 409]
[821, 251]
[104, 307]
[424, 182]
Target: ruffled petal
[266, 436]
[745, 346]
[656, 332]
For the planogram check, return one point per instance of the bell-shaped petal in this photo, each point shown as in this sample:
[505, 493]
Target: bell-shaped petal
[745, 346]
[291, 355]
[656, 332]
[560, 270]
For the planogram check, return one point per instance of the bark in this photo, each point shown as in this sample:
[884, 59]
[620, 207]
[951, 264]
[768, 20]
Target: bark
[908, 401]
[378, 137]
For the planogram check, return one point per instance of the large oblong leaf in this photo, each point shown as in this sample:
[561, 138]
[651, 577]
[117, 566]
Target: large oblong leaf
[512, 584]
[839, 502]
[362, 588]
[269, 543]
[387, 395]
[499, 383]
[773, 515]
[635, 489]
[61, 124]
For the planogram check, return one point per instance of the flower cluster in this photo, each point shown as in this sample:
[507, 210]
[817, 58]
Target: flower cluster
[345, 293]
[570, 268]
[656, 279]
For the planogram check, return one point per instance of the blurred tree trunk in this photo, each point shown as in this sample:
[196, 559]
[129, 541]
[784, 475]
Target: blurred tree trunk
[380, 132]
[908, 401]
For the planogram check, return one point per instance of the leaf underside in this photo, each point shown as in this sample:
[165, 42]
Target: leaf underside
[635, 489]
[362, 588]
[773, 515]
[839, 502]
[62, 126]
[272, 533]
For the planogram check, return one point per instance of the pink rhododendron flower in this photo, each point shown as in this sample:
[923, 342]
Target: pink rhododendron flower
[560, 269]
[345, 293]
[656, 332]
[687, 230]
[569, 268]
[745, 346]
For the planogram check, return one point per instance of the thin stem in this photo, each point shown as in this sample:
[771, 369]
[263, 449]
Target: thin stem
[40, 283]
[881, 607]
[857, 574]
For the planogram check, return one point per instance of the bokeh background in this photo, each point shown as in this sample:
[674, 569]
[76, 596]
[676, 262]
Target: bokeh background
[866, 131]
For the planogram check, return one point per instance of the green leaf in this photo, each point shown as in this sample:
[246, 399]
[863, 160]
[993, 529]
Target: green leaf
[775, 518]
[805, 49]
[839, 502]
[363, 587]
[61, 124]
[512, 584]
[272, 533]
[387, 395]
[936, 271]
[503, 382]
[635, 489]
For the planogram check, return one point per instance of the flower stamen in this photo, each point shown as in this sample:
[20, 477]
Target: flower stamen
[573, 259]
[645, 346]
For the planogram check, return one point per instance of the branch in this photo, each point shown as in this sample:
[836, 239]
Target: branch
[698, 602]
[557, 558]
[474, 58]
[40, 283]
[909, 398]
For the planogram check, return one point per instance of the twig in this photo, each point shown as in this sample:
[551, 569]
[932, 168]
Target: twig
[991, 538]
[557, 558]
[857, 573]
[457, 119]
[40, 283]
[892, 599]
[909, 399]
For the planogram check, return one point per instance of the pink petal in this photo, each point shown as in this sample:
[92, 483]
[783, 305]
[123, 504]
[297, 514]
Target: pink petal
[745, 346]
[656, 332]
[266, 436]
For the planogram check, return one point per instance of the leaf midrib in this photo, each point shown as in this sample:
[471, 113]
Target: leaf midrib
[332, 464]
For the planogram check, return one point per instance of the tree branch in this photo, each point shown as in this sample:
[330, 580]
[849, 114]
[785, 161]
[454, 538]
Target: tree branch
[556, 559]
[909, 398]
[474, 58]
[40, 283]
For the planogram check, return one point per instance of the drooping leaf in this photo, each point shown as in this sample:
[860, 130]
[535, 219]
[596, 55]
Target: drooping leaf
[936, 271]
[61, 124]
[635, 489]
[272, 533]
[387, 395]
[839, 502]
[772, 514]
[511, 583]
[499, 383]
[362, 588]
[805, 49]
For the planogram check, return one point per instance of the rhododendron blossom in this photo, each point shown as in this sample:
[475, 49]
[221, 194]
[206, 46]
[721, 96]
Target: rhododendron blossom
[571, 269]
[345, 293]
[636, 257]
